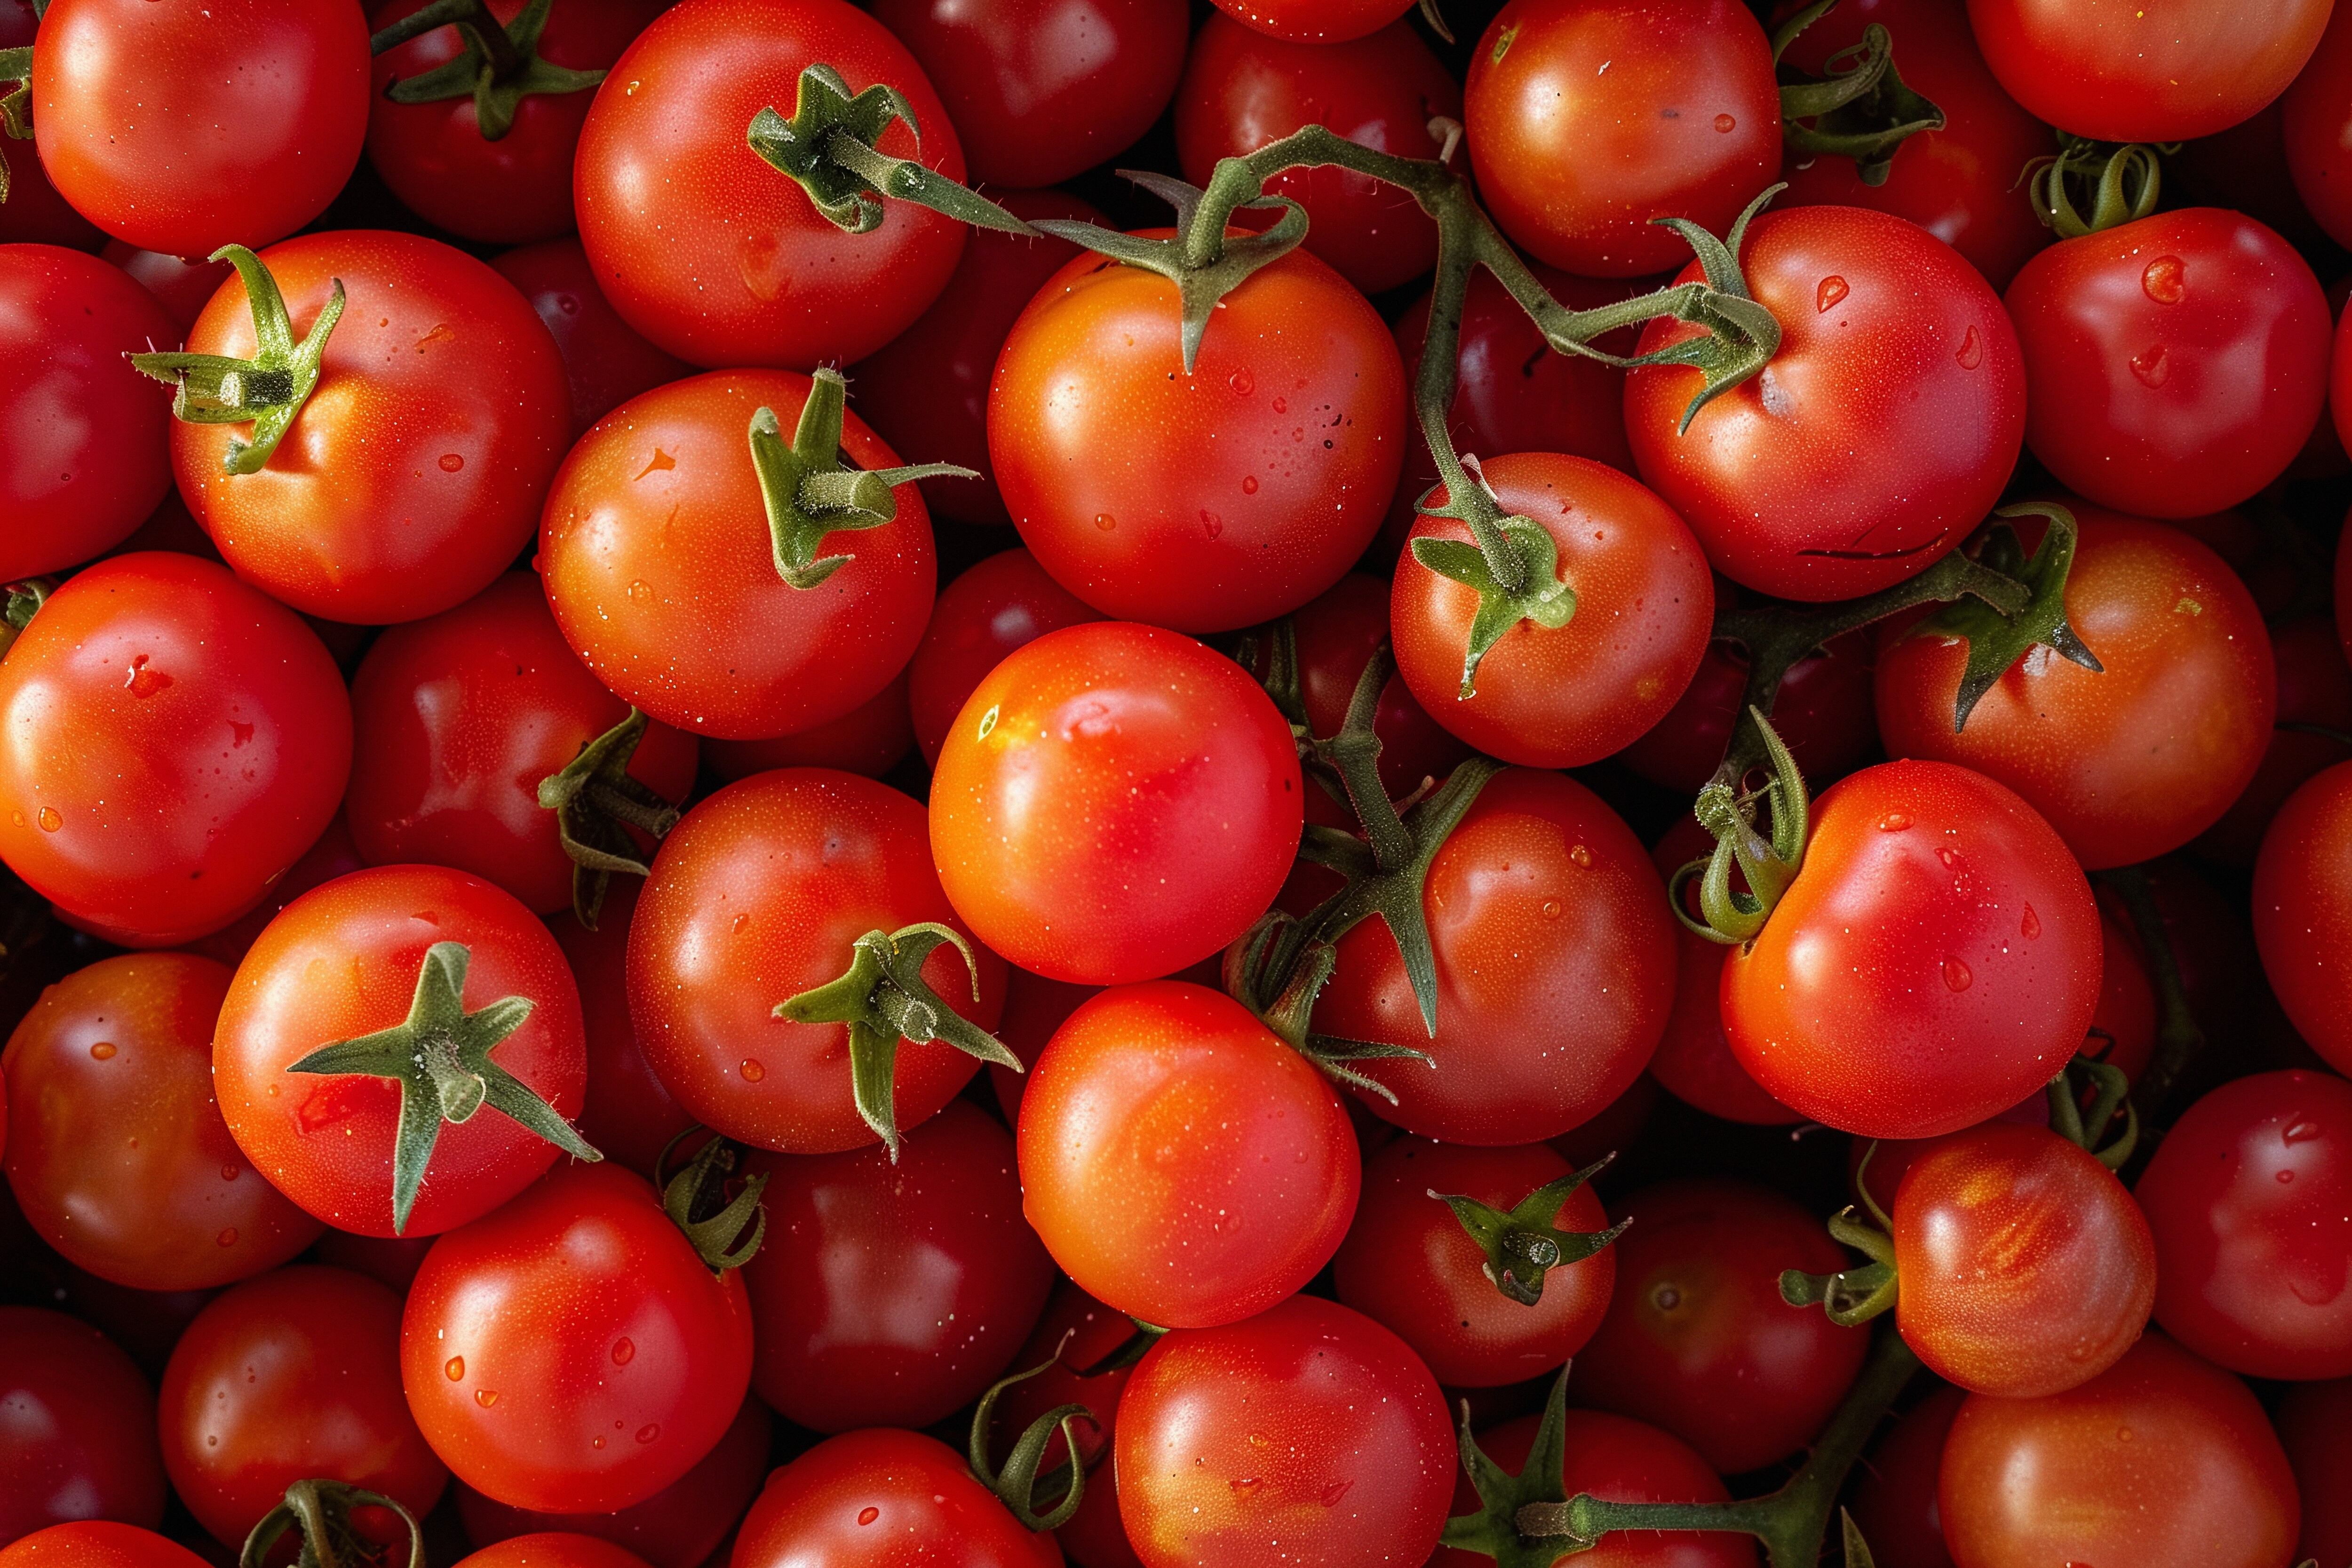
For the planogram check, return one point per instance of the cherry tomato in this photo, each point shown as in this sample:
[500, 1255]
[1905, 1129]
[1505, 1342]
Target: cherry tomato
[34, 213]
[182, 287]
[605, 360]
[552, 1549]
[1895, 1501]
[1694, 1060]
[2315, 1425]
[881, 1498]
[1076, 1335]
[1000, 604]
[1822, 714]
[1034, 1007]
[333, 855]
[2315, 687]
[79, 1440]
[630, 1115]
[1316, 21]
[96, 1543]
[870, 739]
[2302, 913]
[2314, 114]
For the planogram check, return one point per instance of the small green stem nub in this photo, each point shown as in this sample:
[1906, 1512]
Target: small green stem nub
[266, 391]
[1860, 110]
[696, 1201]
[1998, 639]
[828, 147]
[499, 68]
[1726, 914]
[2109, 1093]
[1520, 1244]
[1850, 1296]
[2123, 182]
[595, 802]
[322, 1512]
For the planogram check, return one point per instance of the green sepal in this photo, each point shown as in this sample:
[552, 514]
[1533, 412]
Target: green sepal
[322, 1512]
[440, 1057]
[1728, 915]
[16, 104]
[1494, 1531]
[1741, 336]
[695, 1200]
[1130, 1350]
[1860, 110]
[1520, 1244]
[266, 391]
[474, 74]
[21, 601]
[827, 147]
[595, 803]
[2123, 181]
[1850, 1296]
[1018, 1485]
[810, 491]
[1435, 20]
[1547, 601]
[1996, 642]
[1857, 1549]
[2110, 1092]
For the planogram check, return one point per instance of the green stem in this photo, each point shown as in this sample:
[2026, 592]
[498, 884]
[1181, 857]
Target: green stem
[485, 29]
[2178, 1037]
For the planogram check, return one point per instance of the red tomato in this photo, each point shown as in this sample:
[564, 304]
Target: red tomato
[2315, 687]
[1890, 344]
[2315, 113]
[882, 1499]
[1694, 1060]
[165, 669]
[1895, 1498]
[1004, 602]
[1114, 802]
[870, 739]
[333, 855]
[96, 1543]
[630, 1115]
[1077, 1333]
[34, 213]
[1179, 1161]
[1034, 1007]
[182, 287]
[709, 251]
[2315, 1425]
[2302, 911]
[570, 1352]
[552, 1549]
[392, 1260]
[79, 1442]
[605, 360]
[1316, 21]
[1822, 714]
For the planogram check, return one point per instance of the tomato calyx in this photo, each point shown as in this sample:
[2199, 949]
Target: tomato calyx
[2107, 1092]
[1728, 914]
[697, 1201]
[597, 802]
[266, 391]
[1860, 109]
[499, 68]
[811, 493]
[440, 1057]
[1855, 1295]
[884, 998]
[2122, 183]
[1542, 595]
[1520, 1244]
[1017, 1485]
[19, 602]
[2179, 1038]
[1997, 641]
[16, 104]
[321, 1510]
[827, 147]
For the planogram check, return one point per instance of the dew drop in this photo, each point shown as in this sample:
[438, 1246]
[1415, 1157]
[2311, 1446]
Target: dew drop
[1211, 523]
[1331, 1494]
[2163, 279]
[1580, 855]
[454, 1368]
[868, 1514]
[2151, 366]
[2302, 1132]
[2283, 1177]
[1725, 124]
[751, 1070]
[1894, 822]
[451, 462]
[485, 1397]
[2031, 926]
[230, 1172]
[1245, 1485]
[18, 818]
[641, 591]
[1551, 909]
[143, 682]
[595, 1442]
[1242, 381]
[1105, 521]
[2123, 1434]
[623, 1351]
[1957, 976]
[227, 1237]
[649, 1431]
[1833, 288]
[1971, 353]
[1282, 406]
[50, 819]
[1948, 856]
[738, 925]
[1249, 484]
[102, 1052]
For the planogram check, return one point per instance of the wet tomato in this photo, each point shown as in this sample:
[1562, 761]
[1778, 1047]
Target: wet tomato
[630, 1115]
[1002, 603]
[1822, 714]
[96, 1543]
[605, 360]
[870, 739]
[1694, 1061]
[881, 1498]
[2303, 913]
[80, 1441]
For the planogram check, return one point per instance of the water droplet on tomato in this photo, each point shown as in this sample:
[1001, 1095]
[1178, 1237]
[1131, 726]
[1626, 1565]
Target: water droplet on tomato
[2302, 1132]
[2031, 926]
[1245, 1485]
[103, 1051]
[1894, 822]
[641, 591]
[451, 462]
[751, 1070]
[738, 925]
[50, 819]
[1243, 382]
[1211, 523]
[1971, 353]
[1105, 521]
[1249, 484]
[2163, 279]
[455, 1367]
[230, 1172]
[1551, 909]
[648, 1432]
[2283, 1177]
[623, 1351]
[2151, 366]
[485, 1397]
[595, 1442]
[1580, 855]
[1833, 288]
[1957, 976]
[227, 1237]
[142, 682]
[1726, 124]
[868, 1514]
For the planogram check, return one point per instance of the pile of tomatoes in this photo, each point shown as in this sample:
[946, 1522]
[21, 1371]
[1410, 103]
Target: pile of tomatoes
[1611, 818]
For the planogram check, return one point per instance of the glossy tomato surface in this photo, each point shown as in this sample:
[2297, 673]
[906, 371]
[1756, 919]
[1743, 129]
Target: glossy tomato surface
[80, 1440]
[96, 1543]
[883, 1499]
[1000, 603]
[604, 359]
[2302, 913]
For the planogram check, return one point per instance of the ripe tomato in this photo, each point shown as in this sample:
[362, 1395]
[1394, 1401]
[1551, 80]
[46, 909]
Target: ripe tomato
[1076, 1335]
[1822, 714]
[1206, 500]
[1316, 21]
[79, 1442]
[293, 1376]
[1179, 1161]
[879, 1499]
[2302, 911]
[2313, 120]
[1587, 120]
[184, 287]
[1890, 344]
[2315, 1425]
[711, 253]
[1002, 603]
[331, 856]
[1694, 1060]
[552, 1549]
[221, 704]
[571, 1353]
[870, 739]
[630, 1115]
[1034, 1007]
[133, 105]
[605, 360]
[1114, 802]
[1895, 1498]
[34, 213]
[2315, 687]
[96, 1543]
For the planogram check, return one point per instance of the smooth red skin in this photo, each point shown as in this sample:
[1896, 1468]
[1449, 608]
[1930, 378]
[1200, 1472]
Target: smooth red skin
[292, 1376]
[182, 288]
[1408, 1263]
[1897, 993]
[2314, 118]
[2026, 1267]
[757, 896]
[631, 1115]
[123, 1165]
[2315, 687]
[1316, 21]
[714, 256]
[96, 1543]
[926, 389]
[1574, 162]
[870, 739]
[679, 1526]
[1822, 714]
[1777, 497]
[1560, 697]
[1694, 1060]
[1043, 90]
[2161, 1458]
[2315, 1425]
[1180, 1162]
[1543, 1017]
[34, 213]
[392, 1260]
[883, 1499]
[458, 718]
[237, 763]
[2242, 379]
[892, 1294]
[605, 360]
[1002, 603]
[2138, 757]
[191, 125]
[1894, 1499]
[79, 1442]
[1034, 1007]
[535, 1301]
[1242, 90]
[1076, 1331]
[82, 455]
[1119, 754]
[341, 961]
[2302, 913]
[552, 1549]
[2247, 1198]
[662, 573]
[1697, 1339]
[2126, 70]
[330, 855]
[1235, 492]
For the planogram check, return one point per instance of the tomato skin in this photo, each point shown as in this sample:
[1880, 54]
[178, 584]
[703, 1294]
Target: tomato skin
[2160, 1459]
[2313, 123]
[1002, 603]
[342, 960]
[1241, 1125]
[824, 1508]
[330, 855]
[96, 1543]
[1198, 501]
[870, 739]
[552, 1549]
[2301, 912]
[233, 676]
[2246, 1197]
[80, 1441]
[605, 360]
[1916, 363]
[459, 717]
[630, 1115]
[2129, 760]
[1362, 1470]
[2315, 1427]
[1076, 1333]
[711, 254]
[1034, 1007]
[182, 288]
[131, 104]
[1894, 1502]
[34, 213]
[2315, 687]
[290, 1376]
[663, 580]
[81, 441]
[1936, 960]
[1822, 714]
[1316, 21]
[1694, 1061]
[929, 1255]
[582, 1306]
[1117, 753]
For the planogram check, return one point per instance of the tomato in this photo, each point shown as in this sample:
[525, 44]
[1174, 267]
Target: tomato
[709, 251]
[1242, 90]
[882, 1499]
[928, 1256]
[1316, 21]
[2313, 120]
[1076, 1335]
[2133, 759]
[2246, 1197]
[1002, 603]
[605, 360]
[457, 721]
[293, 1376]
[132, 102]
[1936, 960]
[1204, 500]
[1409, 1265]
[1179, 1161]
[2315, 1425]
[1555, 971]
[871, 739]
[1822, 714]
[96, 1543]
[119, 1156]
[1562, 697]
[571, 1353]
[184, 287]
[630, 1116]
[352, 958]
[1892, 345]
[330, 855]
[165, 669]
[1895, 1501]
[2160, 1459]
[1034, 1007]
[34, 213]
[1694, 1060]
[391, 1261]
[2315, 687]
[552, 1549]
[1114, 802]
[1588, 120]
[2301, 912]
[666, 583]
[80, 1441]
